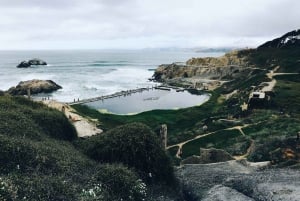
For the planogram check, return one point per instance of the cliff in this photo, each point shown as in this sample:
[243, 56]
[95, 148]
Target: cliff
[224, 67]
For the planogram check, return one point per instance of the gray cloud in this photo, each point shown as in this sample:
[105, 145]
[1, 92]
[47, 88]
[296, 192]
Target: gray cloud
[143, 23]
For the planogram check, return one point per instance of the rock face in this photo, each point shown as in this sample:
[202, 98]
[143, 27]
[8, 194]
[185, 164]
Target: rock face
[208, 68]
[26, 64]
[35, 86]
[290, 39]
[209, 156]
[234, 181]
[229, 59]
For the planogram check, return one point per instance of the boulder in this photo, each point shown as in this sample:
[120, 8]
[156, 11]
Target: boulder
[26, 64]
[35, 86]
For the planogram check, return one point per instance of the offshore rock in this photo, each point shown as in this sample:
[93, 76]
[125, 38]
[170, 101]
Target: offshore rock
[35, 86]
[26, 64]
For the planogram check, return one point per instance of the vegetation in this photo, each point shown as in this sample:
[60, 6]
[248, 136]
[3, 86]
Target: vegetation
[134, 145]
[40, 162]
[220, 140]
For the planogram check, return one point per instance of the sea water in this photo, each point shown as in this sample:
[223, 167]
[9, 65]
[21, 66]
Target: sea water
[89, 73]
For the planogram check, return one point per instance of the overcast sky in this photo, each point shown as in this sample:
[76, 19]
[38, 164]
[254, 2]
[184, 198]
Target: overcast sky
[103, 24]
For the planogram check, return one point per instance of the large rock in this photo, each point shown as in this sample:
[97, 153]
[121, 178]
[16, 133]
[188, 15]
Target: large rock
[232, 180]
[26, 64]
[35, 86]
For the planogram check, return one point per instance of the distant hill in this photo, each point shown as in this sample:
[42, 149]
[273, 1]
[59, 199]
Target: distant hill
[290, 39]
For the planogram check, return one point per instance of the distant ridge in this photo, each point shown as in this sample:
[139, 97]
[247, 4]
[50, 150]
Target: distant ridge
[288, 40]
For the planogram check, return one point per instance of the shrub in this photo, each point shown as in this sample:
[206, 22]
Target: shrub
[36, 187]
[27, 119]
[115, 182]
[134, 145]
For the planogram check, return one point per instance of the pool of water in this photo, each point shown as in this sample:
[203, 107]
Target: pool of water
[153, 99]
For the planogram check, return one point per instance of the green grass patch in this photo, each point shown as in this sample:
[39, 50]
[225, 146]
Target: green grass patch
[287, 93]
[179, 121]
[219, 140]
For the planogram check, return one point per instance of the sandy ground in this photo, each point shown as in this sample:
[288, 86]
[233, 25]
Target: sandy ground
[84, 127]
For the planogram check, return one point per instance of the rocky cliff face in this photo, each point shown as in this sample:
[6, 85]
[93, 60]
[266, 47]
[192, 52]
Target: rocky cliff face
[35, 86]
[229, 59]
[209, 68]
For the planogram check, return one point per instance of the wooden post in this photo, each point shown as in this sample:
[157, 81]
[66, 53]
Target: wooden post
[163, 135]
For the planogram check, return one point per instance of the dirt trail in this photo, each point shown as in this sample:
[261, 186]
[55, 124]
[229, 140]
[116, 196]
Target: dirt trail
[84, 127]
[273, 81]
[249, 150]
[180, 145]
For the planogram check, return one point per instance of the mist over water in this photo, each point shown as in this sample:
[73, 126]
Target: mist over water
[87, 74]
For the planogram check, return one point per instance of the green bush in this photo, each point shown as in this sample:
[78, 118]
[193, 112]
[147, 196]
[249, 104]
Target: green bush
[115, 182]
[134, 145]
[36, 187]
[27, 119]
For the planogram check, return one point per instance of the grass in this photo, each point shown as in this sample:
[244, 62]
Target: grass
[287, 93]
[40, 159]
[219, 140]
[178, 121]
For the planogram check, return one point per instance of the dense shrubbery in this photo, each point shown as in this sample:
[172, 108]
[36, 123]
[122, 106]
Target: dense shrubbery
[39, 162]
[134, 145]
[24, 118]
[110, 178]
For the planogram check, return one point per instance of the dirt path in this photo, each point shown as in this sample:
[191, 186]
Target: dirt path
[180, 145]
[249, 150]
[273, 81]
[84, 127]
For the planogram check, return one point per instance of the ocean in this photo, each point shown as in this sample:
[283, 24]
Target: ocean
[89, 73]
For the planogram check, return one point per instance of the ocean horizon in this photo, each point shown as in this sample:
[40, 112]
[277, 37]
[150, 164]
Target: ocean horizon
[89, 73]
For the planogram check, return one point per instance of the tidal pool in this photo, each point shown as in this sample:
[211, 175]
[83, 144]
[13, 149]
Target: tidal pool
[154, 99]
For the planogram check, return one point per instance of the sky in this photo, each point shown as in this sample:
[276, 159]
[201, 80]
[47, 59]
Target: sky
[135, 24]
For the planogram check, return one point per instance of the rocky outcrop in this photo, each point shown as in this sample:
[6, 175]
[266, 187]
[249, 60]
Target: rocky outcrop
[235, 181]
[229, 59]
[26, 64]
[35, 86]
[229, 65]
[209, 156]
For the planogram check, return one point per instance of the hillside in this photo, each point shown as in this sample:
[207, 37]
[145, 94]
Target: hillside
[42, 159]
